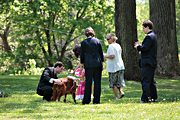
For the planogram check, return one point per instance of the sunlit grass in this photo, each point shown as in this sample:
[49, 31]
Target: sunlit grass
[23, 103]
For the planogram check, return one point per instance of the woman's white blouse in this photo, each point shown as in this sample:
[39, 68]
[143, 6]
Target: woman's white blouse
[115, 64]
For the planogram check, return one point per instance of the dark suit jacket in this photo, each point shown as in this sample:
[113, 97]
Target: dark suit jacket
[91, 53]
[47, 74]
[148, 50]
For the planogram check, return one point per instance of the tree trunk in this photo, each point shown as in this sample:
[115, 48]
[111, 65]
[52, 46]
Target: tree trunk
[126, 31]
[4, 38]
[47, 32]
[163, 15]
[46, 57]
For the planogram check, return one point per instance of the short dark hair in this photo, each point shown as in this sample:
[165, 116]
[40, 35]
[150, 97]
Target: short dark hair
[148, 23]
[58, 63]
[77, 50]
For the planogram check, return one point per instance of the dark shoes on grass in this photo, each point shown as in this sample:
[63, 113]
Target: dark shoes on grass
[121, 96]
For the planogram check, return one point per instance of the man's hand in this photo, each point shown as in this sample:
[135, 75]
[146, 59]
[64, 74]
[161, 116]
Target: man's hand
[58, 81]
[136, 44]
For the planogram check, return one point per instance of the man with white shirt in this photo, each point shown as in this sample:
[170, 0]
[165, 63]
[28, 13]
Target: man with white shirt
[48, 78]
[115, 66]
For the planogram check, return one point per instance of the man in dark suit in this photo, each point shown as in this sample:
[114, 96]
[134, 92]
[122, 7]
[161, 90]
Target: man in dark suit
[48, 78]
[148, 63]
[92, 57]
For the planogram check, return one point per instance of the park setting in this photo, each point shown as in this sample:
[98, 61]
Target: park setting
[35, 34]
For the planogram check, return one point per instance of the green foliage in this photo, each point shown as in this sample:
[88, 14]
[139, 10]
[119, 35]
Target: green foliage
[33, 69]
[142, 13]
[47, 30]
[178, 24]
[23, 102]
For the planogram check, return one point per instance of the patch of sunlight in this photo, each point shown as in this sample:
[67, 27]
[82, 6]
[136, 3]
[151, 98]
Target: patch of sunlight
[174, 80]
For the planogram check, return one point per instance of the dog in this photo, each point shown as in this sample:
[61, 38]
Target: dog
[68, 86]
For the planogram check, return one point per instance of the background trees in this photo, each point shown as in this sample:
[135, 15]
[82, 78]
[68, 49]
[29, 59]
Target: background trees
[126, 31]
[163, 14]
[45, 31]
[5, 24]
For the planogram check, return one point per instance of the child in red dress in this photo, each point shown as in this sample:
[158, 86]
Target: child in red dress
[80, 72]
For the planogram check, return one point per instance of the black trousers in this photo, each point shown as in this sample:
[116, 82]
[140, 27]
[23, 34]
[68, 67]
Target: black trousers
[148, 83]
[92, 74]
[46, 92]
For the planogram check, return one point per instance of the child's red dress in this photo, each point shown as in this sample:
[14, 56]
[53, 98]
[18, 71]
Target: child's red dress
[81, 86]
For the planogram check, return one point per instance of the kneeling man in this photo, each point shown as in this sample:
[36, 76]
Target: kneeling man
[48, 78]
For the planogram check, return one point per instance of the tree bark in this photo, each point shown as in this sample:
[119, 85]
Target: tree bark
[4, 38]
[46, 57]
[126, 31]
[48, 37]
[163, 15]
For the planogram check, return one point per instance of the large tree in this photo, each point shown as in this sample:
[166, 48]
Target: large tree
[126, 31]
[163, 15]
[47, 30]
[5, 24]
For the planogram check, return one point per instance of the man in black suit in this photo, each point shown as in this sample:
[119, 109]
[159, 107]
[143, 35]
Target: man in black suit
[48, 78]
[92, 57]
[148, 63]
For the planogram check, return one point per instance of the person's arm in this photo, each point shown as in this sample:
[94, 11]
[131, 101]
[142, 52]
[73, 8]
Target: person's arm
[146, 44]
[82, 74]
[110, 53]
[47, 77]
[46, 74]
[55, 81]
[76, 68]
[101, 52]
[82, 53]
[110, 56]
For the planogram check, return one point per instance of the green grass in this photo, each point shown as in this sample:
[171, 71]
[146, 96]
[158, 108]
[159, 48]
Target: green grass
[23, 103]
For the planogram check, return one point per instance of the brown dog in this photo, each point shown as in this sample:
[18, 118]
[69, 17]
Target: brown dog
[68, 86]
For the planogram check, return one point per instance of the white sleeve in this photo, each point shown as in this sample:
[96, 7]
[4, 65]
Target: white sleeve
[51, 80]
[110, 50]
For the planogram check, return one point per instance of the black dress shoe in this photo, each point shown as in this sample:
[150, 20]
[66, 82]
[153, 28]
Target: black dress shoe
[122, 96]
[96, 102]
[84, 103]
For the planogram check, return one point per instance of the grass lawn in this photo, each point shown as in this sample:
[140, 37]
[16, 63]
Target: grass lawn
[23, 103]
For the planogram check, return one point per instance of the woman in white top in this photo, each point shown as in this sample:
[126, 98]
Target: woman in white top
[115, 66]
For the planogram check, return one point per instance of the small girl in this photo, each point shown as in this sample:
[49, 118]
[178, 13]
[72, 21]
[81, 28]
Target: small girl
[80, 72]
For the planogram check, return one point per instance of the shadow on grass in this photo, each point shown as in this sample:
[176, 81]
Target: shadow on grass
[168, 91]
[22, 93]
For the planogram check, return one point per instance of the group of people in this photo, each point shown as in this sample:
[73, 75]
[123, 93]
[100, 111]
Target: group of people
[91, 61]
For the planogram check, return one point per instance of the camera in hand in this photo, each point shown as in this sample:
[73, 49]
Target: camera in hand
[136, 40]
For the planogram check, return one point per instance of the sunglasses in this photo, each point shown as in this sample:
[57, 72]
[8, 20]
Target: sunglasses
[108, 39]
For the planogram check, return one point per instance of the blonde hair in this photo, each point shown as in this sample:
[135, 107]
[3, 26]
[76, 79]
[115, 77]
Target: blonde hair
[112, 36]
